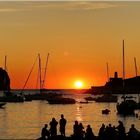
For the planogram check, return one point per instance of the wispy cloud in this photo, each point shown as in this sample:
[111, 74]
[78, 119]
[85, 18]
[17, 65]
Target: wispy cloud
[90, 5]
[7, 10]
[69, 5]
[76, 5]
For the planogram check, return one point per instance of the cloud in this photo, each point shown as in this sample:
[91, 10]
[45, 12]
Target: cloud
[63, 5]
[90, 5]
[75, 5]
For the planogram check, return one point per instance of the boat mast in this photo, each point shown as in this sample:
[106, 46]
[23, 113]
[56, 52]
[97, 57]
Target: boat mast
[29, 75]
[136, 70]
[45, 70]
[39, 60]
[5, 63]
[107, 68]
[123, 66]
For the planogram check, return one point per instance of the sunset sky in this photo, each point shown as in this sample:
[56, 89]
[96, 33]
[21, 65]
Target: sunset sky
[80, 37]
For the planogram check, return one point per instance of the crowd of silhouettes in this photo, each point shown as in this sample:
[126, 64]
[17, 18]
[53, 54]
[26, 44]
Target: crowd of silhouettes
[108, 132]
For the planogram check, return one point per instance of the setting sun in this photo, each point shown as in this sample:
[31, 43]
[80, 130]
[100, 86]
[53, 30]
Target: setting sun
[78, 84]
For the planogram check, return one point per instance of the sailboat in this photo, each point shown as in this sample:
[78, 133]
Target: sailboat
[43, 94]
[127, 106]
[136, 72]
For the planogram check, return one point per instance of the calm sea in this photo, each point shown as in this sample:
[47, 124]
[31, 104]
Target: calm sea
[25, 120]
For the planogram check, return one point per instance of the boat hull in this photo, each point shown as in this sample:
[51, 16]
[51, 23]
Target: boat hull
[61, 101]
[126, 107]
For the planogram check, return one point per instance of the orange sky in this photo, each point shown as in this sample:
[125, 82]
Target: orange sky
[80, 37]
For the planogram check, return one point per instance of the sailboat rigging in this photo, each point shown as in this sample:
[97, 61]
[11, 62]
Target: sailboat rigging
[107, 70]
[44, 79]
[39, 78]
[138, 90]
[28, 76]
[5, 63]
[126, 107]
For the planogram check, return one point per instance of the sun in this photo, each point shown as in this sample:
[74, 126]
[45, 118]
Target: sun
[78, 84]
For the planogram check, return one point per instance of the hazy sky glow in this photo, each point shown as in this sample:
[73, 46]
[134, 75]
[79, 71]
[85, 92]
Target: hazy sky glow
[80, 37]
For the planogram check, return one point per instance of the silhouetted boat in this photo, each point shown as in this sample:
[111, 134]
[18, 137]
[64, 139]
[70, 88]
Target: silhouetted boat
[138, 105]
[61, 100]
[129, 97]
[43, 93]
[43, 96]
[106, 98]
[11, 98]
[105, 111]
[89, 98]
[83, 102]
[2, 104]
[127, 106]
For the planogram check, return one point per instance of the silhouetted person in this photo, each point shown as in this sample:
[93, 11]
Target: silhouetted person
[53, 127]
[107, 133]
[75, 128]
[133, 133]
[110, 132]
[102, 132]
[121, 131]
[114, 133]
[45, 132]
[62, 123]
[81, 131]
[89, 135]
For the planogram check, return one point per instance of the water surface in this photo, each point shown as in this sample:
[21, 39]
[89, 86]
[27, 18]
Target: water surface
[25, 120]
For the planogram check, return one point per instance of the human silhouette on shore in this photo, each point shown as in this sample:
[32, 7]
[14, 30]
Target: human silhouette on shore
[105, 132]
[53, 127]
[89, 135]
[102, 132]
[133, 133]
[75, 129]
[81, 131]
[62, 124]
[45, 132]
[121, 131]
[110, 132]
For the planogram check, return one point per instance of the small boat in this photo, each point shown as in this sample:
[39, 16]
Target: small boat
[11, 97]
[89, 98]
[138, 105]
[61, 100]
[106, 98]
[106, 111]
[42, 96]
[83, 102]
[127, 107]
[2, 104]
[130, 97]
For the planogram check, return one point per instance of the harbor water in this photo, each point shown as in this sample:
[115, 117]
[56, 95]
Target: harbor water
[25, 120]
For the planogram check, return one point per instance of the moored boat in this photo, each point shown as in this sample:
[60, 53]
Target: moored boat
[61, 100]
[106, 98]
[127, 107]
[2, 104]
[11, 98]
[89, 98]
[105, 111]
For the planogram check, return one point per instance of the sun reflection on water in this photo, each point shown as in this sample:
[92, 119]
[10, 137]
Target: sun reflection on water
[79, 113]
